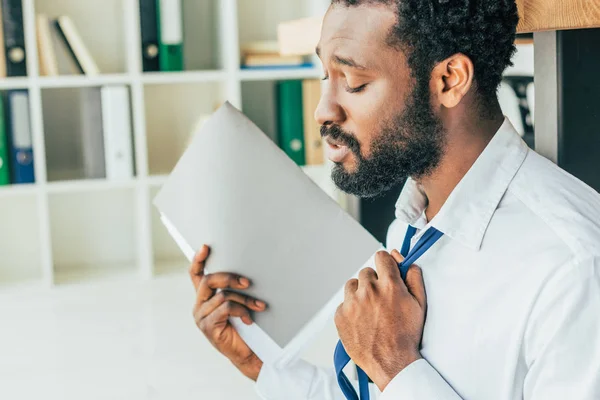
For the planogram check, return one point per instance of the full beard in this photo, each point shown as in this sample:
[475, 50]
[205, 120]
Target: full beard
[409, 145]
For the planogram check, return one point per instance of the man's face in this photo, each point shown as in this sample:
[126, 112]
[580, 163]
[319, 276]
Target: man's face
[377, 121]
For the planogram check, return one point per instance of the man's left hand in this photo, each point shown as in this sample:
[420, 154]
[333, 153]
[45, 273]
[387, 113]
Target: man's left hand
[380, 322]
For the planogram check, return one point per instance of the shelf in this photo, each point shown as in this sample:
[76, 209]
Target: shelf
[20, 245]
[95, 273]
[167, 256]
[183, 77]
[92, 229]
[74, 81]
[101, 25]
[17, 190]
[167, 267]
[279, 74]
[88, 185]
[157, 180]
[171, 124]
[14, 83]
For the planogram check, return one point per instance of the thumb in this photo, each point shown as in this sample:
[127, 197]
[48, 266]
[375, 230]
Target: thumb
[416, 285]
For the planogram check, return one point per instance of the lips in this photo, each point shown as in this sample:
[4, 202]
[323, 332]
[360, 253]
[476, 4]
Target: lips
[336, 150]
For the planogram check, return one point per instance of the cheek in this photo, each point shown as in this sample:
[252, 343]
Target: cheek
[366, 112]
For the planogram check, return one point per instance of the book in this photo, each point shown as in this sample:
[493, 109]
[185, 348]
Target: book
[149, 35]
[14, 38]
[20, 137]
[46, 54]
[2, 47]
[92, 133]
[260, 47]
[74, 44]
[170, 32]
[266, 54]
[277, 67]
[313, 142]
[116, 125]
[271, 60]
[290, 119]
[4, 160]
[264, 218]
[299, 36]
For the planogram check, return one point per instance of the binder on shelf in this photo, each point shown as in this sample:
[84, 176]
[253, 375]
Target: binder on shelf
[46, 53]
[69, 35]
[14, 38]
[313, 142]
[4, 168]
[92, 135]
[20, 140]
[149, 35]
[290, 119]
[170, 31]
[116, 124]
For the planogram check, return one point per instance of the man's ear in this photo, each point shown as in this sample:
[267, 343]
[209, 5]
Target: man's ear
[452, 79]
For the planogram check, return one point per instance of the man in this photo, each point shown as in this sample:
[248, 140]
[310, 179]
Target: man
[506, 305]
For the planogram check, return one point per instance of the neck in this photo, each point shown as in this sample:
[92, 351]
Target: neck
[465, 143]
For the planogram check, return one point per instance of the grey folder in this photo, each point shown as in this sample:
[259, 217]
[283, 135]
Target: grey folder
[236, 191]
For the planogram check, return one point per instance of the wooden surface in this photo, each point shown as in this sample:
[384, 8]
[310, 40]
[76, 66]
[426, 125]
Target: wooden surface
[541, 15]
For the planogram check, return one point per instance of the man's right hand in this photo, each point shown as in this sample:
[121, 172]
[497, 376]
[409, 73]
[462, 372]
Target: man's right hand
[212, 312]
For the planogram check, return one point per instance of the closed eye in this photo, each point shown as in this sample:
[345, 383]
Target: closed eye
[356, 89]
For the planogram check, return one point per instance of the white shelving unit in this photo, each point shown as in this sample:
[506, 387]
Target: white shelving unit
[66, 229]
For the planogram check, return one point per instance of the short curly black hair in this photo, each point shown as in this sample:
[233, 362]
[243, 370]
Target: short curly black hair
[430, 31]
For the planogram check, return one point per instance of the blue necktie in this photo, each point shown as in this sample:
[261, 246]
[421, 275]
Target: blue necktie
[341, 358]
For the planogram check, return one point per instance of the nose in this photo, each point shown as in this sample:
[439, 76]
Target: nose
[328, 111]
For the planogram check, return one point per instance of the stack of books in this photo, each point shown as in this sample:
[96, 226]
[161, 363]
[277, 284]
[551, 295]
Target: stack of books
[265, 55]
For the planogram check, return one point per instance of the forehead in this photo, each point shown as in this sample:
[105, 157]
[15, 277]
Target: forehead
[360, 28]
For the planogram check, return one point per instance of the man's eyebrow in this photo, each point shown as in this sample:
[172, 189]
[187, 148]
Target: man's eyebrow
[347, 61]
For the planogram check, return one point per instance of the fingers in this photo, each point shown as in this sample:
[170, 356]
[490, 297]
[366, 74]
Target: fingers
[397, 256]
[367, 274]
[416, 285]
[197, 268]
[351, 287]
[226, 310]
[387, 267]
[221, 280]
[203, 309]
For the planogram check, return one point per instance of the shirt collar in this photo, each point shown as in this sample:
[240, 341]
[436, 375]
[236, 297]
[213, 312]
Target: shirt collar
[468, 210]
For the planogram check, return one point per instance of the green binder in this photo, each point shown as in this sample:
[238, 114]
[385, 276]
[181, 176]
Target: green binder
[290, 119]
[4, 170]
[170, 34]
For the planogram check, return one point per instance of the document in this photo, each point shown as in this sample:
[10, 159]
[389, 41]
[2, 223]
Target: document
[235, 190]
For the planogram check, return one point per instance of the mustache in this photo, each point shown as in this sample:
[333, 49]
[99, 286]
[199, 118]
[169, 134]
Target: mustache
[336, 133]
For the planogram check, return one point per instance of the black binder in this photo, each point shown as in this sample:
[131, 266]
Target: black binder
[14, 38]
[149, 35]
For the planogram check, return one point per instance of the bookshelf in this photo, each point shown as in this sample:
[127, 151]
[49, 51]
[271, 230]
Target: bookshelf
[66, 229]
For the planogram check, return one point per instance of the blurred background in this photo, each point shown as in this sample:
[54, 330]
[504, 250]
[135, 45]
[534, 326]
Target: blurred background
[97, 107]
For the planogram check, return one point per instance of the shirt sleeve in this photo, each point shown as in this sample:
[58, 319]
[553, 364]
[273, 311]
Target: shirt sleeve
[419, 381]
[562, 340]
[301, 381]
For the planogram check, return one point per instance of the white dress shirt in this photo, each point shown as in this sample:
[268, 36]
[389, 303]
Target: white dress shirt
[513, 289]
